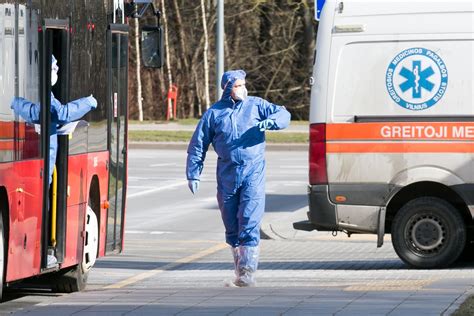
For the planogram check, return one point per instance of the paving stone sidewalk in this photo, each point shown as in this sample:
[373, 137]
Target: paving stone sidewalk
[321, 277]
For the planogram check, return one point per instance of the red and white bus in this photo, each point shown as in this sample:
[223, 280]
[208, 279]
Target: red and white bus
[81, 215]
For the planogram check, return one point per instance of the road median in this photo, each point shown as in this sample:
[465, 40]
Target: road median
[179, 140]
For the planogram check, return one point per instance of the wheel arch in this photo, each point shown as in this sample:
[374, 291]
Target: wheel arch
[425, 189]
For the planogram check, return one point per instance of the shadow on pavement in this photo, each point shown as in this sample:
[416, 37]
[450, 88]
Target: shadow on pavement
[285, 203]
[356, 265]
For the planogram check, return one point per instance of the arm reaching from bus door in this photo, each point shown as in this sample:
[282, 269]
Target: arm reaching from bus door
[73, 110]
[60, 113]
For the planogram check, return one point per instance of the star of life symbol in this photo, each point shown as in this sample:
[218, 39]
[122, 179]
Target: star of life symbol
[416, 79]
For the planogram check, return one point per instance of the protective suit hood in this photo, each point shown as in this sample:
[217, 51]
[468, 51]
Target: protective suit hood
[228, 80]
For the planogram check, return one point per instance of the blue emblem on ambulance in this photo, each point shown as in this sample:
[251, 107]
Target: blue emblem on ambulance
[417, 79]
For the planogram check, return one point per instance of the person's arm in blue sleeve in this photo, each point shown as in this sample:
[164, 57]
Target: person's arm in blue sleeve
[278, 114]
[198, 147]
[28, 111]
[73, 110]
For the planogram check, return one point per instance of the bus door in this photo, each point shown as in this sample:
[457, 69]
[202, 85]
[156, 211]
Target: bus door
[54, 41]
[117, 73]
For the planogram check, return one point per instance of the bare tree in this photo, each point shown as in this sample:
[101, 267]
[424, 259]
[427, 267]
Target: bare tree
[273, 41]
[138, 66]
[206, 64]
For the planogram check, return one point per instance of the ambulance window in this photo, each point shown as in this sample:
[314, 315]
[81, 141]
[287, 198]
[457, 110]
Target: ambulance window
[314, 56]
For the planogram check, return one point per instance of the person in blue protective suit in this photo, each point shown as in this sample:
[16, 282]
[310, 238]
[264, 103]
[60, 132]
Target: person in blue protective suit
[235, 127]
[60, 114]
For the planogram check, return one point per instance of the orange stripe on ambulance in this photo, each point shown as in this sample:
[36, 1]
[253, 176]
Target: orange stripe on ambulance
[430, 132]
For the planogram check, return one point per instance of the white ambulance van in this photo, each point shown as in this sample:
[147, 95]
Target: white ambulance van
[392, 125]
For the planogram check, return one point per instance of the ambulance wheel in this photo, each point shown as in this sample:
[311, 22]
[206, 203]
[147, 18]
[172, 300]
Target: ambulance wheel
[428, 232]
[75, 279]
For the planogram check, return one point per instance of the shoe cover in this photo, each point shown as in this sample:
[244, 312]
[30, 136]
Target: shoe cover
[235, 254]
[52, 261]
[248, 263]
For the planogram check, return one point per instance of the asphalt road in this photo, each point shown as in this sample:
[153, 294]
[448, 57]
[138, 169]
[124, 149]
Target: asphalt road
[175, 260]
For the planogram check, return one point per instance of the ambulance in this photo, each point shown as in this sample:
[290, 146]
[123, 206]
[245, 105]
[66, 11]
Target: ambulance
[392, 126]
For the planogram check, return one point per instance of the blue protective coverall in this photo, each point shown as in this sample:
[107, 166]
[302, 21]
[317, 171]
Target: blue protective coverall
[60, 114]
[230, 126]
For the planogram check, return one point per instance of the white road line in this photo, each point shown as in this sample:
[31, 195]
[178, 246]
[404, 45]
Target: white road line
[209, 199]
[143, 232]
[166, 187]
[140, 187]
[163, 164]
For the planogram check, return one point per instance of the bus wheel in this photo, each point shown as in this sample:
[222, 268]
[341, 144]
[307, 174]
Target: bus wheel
[2, 256]
[428, 232]
[75, 279]
[91, 241]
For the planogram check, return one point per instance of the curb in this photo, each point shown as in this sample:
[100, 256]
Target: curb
[184, 146]
[279, 226]
[458, 302]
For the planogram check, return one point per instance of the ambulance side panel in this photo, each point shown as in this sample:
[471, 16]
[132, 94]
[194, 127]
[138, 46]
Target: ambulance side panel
[375, 145]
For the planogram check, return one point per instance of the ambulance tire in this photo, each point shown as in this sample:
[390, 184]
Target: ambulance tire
[428, 232]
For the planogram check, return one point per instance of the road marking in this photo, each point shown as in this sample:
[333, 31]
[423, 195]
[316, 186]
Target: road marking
[166, 187]
[169, 266]
[147, 232]
[140, 187]
[391, 285]
[209, 199]
[163, 164]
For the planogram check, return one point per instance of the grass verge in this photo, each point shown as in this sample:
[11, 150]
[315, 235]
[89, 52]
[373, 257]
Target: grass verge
[185, 136]
[194, 121]
[466, 308]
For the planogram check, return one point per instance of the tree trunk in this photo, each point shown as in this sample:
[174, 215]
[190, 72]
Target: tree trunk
[181, 35]
[206, 63]
[139, 78]
[167, 53]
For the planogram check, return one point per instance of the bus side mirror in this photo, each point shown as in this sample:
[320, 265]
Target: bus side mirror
[152, 46]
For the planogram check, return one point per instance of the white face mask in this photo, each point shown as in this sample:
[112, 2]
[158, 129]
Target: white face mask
[54, 77]
[241, 93]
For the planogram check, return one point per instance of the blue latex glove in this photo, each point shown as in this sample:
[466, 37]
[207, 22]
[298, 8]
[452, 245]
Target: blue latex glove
[193, 185]
[265, 124]
[92, 101]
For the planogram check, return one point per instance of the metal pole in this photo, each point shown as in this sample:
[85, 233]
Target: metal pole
[219, 47]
